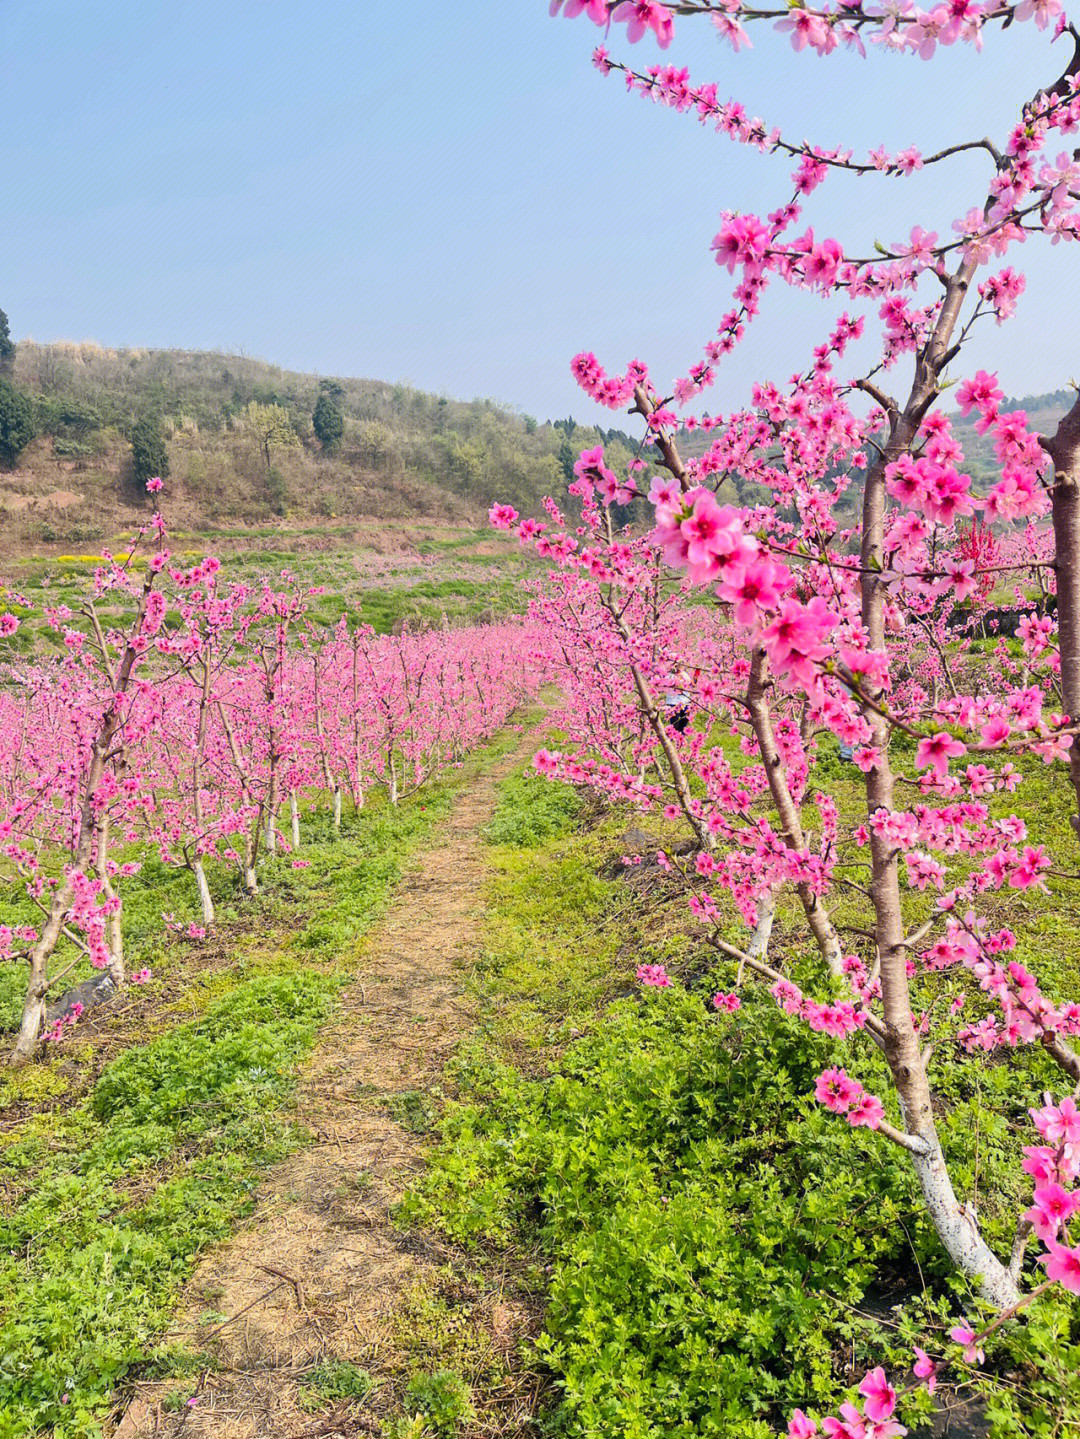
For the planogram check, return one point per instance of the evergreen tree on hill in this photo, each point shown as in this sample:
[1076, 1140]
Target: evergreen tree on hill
[149, 457]
[327, 420]
[7, 346]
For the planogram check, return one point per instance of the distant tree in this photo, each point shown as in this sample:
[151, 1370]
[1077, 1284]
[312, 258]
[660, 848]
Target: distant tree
[277, 490]
[567, 460]
[16, 423]
[327, 421]
[467, 465]
[7, 346]
[68, 418]
[378, 446]
[149, 457]
[530, 424]
[272, 427]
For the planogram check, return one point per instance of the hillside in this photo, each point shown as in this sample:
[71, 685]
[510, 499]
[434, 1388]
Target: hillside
[405, 457]
[1043, 413]
[408, 467]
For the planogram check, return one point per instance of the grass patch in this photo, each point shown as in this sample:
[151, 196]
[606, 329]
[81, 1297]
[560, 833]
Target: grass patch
[716, 1246]
[531, 811]
[413, 1109]
[158, 1162]
[338, 1381]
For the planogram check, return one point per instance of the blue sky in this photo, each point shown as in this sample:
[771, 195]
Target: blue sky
[449, 194]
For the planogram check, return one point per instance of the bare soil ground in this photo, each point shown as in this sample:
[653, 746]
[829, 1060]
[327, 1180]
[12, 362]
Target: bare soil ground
[320, 1273]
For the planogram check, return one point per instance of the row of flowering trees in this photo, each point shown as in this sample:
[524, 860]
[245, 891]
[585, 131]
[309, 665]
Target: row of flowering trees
[193, 713]
[707, 663]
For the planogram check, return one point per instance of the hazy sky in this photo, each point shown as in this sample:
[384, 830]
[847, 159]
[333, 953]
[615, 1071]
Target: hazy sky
[449, 194]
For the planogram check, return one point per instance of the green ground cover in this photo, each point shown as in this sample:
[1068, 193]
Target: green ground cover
[716, 1247]
[441, 579]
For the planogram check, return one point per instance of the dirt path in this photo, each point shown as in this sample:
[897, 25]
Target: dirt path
[319, 1273]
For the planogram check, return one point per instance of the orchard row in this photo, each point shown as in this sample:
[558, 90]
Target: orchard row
[192, 714]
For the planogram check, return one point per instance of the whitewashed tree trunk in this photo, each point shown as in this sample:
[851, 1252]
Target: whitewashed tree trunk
[958, 1229]
[758, 947]
[206, 904]
[114, 931]
[294, 819]
[33, 1013]
[251, 878]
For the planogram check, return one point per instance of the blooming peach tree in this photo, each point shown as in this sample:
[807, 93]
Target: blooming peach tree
[853, 608]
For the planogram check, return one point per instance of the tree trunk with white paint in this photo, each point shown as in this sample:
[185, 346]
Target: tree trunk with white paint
[206, 903]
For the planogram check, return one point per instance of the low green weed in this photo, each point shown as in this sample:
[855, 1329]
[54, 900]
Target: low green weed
[336, 1381]
[531, 811]
[443, 1399]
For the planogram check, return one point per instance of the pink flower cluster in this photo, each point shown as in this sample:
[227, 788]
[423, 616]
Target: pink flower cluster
[706, 538]
[1055, 1166]
[837, 1091]
[655, 976]
[872, 1420]
[614, 392]
[55, 1031]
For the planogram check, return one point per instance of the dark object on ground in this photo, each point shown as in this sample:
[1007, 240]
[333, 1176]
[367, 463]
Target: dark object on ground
[638, 841]
[98, 989]
[958, 1418]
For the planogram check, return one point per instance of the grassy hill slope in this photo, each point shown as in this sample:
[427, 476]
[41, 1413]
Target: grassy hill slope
[405, 456]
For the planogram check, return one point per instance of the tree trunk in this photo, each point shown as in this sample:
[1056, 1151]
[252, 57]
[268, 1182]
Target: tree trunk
[358, 736]
[958, 1229]
[817, 916]
[758, 948]
[251, 878]
[114, 932]
[655, 721]
[38, 983]
[294, 819]
[1064, 450]
[956, 1225]
[206, 904]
